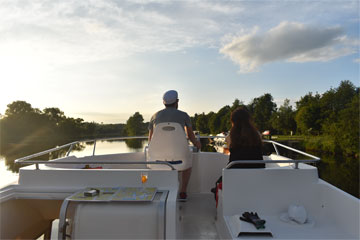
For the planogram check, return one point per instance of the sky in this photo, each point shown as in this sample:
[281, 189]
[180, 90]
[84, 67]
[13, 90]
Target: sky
[104, 60]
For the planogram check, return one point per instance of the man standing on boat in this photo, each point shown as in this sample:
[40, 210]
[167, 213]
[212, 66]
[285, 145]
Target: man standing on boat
[171, 114]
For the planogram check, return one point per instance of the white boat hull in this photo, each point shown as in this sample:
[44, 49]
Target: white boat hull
[31, 206]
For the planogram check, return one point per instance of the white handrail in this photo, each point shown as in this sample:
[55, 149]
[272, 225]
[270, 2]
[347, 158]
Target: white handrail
[232, 163]
[44, 152]
[292, 149]
[37, 162]
[73, 143]
[275, 144]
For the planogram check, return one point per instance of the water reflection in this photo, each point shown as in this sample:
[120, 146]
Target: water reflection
[15, 151]
[11, 152]
[342, 172]
[112, 147]
[135, 143]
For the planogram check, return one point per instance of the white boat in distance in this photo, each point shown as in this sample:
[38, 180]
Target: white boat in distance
[134, 196]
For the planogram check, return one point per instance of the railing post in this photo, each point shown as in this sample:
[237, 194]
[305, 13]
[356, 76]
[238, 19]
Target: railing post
[198, 136]
[94, 147]
[198, 139]
[296, 164]
[145, 148]
[71, 147]
[276, 150]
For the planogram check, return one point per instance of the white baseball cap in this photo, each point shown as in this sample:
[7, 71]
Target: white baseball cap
[170, 97]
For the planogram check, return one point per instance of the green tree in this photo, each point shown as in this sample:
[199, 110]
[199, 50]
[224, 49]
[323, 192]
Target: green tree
[54, 114]
[308, 116]
[307, 119]
[89, 129]
[335, 100]
[22, 123]
[219, 121]
[307, 99]
[71, 129]
[237, 103]
[110, 130]
[283, 120]
[262, 109]
[135, 125]
[202, 123]
[18, 108]
[343, 129]
[344, 94]
[347, 128]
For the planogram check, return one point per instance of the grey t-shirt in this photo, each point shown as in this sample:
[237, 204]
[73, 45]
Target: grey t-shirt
[170, 115]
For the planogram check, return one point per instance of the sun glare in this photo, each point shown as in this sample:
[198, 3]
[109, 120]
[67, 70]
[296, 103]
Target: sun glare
[18, 76]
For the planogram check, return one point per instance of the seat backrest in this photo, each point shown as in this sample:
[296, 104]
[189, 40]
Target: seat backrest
[169, 143]
[269, 190]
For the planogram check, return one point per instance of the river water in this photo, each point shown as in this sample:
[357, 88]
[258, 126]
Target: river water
[339, 171]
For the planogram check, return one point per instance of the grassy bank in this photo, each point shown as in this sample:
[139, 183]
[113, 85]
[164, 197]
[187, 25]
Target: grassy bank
[287, 138]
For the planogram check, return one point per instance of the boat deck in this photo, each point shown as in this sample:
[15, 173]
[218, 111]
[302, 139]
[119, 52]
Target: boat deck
[197, 217]
[269, 192]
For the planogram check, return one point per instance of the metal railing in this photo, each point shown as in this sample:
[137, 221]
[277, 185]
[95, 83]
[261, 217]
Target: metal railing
[275, 145]
[72, 144]
[37, 162]
[296, 162]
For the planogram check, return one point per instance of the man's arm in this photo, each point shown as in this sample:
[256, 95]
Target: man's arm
[151, 128]
[150, 134]
[192, 138]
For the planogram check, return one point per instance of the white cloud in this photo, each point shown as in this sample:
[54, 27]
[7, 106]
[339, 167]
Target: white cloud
[289, 41]
[66, 32]
[357, 60]
[221, 7]
[71, 31]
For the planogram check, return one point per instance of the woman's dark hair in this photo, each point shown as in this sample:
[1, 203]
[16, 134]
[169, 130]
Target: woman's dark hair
[243, 131]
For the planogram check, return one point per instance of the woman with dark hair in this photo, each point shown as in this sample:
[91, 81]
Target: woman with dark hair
[244, 143]
[244, 140]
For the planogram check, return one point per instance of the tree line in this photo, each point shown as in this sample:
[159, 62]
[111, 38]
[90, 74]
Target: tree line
[329, 121]
[23, 124]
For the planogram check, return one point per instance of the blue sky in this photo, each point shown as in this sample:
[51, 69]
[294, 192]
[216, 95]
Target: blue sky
[105, 60]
